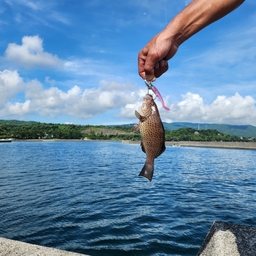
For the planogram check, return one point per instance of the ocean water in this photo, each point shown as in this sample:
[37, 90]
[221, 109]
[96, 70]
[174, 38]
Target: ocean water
[86, 197]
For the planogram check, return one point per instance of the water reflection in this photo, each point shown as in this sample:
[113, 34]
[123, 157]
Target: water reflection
[87, 197]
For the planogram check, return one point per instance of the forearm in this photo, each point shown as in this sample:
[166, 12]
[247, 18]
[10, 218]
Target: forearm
[197, 15]
[152, 59]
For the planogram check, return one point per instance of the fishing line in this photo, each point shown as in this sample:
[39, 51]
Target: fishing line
[165, 12]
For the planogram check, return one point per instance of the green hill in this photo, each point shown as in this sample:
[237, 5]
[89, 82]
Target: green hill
[17, 122]
[34, 130]
[247, 131]
[190, 134]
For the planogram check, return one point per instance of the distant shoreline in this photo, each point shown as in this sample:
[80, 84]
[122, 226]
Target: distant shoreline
[63, 140]
[205, 144]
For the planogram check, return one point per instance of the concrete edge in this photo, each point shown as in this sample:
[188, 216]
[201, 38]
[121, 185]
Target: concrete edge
[205, 144]
[229, 239]
[11, 247]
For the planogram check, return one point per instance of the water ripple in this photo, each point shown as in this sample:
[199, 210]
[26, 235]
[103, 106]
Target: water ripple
[86, 196]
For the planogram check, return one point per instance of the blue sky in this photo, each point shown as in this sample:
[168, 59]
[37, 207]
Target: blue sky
[76, 62]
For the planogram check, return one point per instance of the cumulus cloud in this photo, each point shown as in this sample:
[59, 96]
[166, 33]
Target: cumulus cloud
[18, 109]
[87, 103]
[10, 84]
[31, 54]
[95, 101]
[230, 110]
[121, 97]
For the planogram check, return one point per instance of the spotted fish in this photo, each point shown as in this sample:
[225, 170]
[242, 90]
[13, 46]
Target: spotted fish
[152, 133]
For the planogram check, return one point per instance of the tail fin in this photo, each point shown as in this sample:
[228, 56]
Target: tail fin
[147, 171]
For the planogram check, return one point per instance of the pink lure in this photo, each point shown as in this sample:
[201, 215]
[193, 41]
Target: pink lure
[158, 94]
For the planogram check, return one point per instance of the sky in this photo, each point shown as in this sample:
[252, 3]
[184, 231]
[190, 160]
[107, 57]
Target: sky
[76, 62]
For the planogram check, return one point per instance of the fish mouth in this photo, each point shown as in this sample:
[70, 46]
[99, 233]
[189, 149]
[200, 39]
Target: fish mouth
[148, 96]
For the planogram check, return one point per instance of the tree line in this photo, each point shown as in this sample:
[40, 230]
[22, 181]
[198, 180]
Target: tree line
[35, 130]
[190, 134]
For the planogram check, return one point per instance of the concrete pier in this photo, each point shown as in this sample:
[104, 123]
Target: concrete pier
[205, 144]
[213, 144]
[11, 247]
[225, 239]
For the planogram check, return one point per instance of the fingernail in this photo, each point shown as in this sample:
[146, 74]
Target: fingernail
[150, 78]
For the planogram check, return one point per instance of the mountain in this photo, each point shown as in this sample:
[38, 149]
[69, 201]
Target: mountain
[247, 131]
[17, 122]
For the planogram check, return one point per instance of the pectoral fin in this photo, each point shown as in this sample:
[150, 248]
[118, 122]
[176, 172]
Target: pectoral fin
[142, 147]
[140, 117]
[162, 150]
[136, 128]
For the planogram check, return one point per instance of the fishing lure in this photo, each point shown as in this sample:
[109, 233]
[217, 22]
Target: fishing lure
[156, 92]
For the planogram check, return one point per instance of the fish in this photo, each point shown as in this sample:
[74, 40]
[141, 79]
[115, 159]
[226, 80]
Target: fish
[152, 133]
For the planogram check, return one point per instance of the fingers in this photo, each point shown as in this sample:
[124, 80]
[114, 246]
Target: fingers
[146, 64]
[150, 78]
[160, 68]
[141, 63]
[152, 59]
[149, 67]
[149, 71]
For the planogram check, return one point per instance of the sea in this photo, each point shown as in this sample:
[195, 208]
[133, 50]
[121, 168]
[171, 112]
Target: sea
[86, 196]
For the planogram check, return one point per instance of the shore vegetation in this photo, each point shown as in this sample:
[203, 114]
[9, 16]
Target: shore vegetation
[22, 130]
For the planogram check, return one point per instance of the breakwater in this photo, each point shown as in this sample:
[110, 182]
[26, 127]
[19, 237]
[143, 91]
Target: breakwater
[206, 144]
[17, 248]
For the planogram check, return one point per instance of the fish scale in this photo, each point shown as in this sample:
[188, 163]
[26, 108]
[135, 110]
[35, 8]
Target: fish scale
[152, 133]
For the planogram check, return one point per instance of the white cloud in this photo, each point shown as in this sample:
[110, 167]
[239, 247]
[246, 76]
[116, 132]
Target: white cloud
[34, 5]
[129, 109]
[19, 109]
[10, 84]
[95, 101]
[230, 110]
[31, 54]
[109, 96]
[75, 102]
[49, 80]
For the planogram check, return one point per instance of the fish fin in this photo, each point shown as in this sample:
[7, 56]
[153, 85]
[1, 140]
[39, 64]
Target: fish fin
[137, 114]
[136, 128]
[162, 150]
[142, 147]
[163, 146]
[140, 117]
[147, 171]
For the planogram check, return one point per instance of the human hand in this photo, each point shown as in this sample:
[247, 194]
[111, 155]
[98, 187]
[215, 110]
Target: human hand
[152, 59]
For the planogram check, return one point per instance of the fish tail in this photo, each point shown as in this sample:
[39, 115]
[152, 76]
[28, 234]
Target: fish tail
[147, 171]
